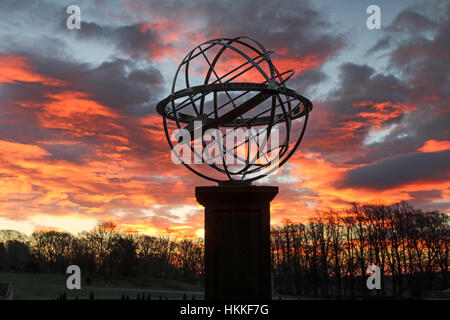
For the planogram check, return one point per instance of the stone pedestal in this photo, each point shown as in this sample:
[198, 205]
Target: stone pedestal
[237, 241]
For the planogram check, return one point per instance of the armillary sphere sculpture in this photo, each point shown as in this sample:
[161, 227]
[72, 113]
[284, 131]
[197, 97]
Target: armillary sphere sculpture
[231, 85]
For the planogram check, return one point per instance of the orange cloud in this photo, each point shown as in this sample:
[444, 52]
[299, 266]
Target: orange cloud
[69, 104]
[298, 63]
[382, 111]
[16, 69]
[78, 115]
[435, 145]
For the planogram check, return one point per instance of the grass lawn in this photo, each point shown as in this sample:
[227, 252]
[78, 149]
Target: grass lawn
[49, 286]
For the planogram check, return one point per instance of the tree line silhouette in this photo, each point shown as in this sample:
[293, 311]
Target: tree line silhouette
[326, 256]
[104, 253]
[329, 255]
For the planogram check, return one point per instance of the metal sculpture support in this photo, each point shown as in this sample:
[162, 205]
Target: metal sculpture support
[221, 88]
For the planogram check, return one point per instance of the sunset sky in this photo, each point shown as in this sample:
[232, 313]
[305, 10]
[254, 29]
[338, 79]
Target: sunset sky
[81, 142]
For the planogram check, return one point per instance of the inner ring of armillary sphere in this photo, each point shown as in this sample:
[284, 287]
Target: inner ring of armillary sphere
[264, 91]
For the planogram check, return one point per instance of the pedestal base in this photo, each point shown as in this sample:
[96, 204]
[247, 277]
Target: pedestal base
[237, 241]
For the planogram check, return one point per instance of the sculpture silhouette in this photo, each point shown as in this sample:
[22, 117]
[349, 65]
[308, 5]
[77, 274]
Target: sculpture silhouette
[230, 84]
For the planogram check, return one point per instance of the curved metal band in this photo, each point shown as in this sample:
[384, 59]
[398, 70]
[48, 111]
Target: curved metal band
[233, 86]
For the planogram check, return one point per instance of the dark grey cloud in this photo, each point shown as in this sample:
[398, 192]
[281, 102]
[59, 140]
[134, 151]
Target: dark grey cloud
[119, 83]
[335, 118]
[426, 194]
[382, 44]
[293, 28]
[421, 59]
[425, 199]
[418, 77]
[20, 124]
[134, 92]
[133, 40]
[414, 167]
[292, 24]
[363, 83]
[72, 153]
[411, 21]
[306, 82]
[411, 134]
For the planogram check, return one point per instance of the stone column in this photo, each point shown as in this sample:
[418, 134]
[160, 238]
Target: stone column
[237, 241]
